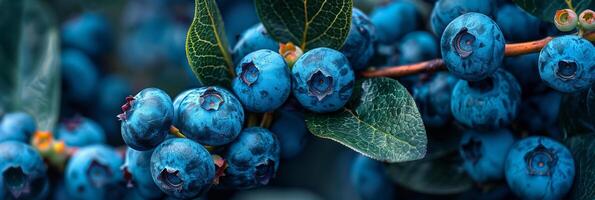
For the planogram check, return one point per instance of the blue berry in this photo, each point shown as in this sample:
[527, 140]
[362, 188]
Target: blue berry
[484, 153]
[322, 80]
[472, 46]
[417, 47]
[137, 172]
[290, 128]
[210, 116]
[370, 180]
[566, 63]
[80, 131]
[539, 168]
[516, 24]
[394, 20]
[182, 168]
[433, 99]
[525, 70]
[446, 11]
[540, 112]
[112, 89]
[79, 76]
[88, 32]
[253, 39]
[93, 172]
[238, 16]
[178, 101]
[17, 126]
[359, 45]
[253, 159]
[262, 83]
[489, 103]
[23, 172]
[146, 118]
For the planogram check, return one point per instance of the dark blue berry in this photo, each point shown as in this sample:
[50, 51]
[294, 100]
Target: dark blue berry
[472, 46]
[322, 80]
[539, 168]
[359, 45]
[79, 77]
[517, 25]
[433, 99]
[394, 19]
[524, 68]
[369, 179]
[262, 83]
[182, 168]
[566, 63]
[93, 172]
[489, 103]
[290, 128]
[146, 119]
[112, 89]
[80, 131]
[446, 11]
[253, 159]
[137, 172]
[253, 39]
[210, 116]
[17, 126]
[484, 153]
[539, 113]
[23, 172]
[89, 32]
[417, 47]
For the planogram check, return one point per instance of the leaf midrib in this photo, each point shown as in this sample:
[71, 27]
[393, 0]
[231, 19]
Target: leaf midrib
[378, 130]
[226, 56]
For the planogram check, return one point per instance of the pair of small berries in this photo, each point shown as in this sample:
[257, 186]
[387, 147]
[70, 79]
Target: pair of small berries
[534, 167]
[567, 20]
[182, 167]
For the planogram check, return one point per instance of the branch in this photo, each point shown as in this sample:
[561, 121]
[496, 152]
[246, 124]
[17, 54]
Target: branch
[515, 49]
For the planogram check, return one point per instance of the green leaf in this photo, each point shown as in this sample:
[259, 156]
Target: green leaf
[10, 19]
[582, 148]
[577, 113]
[34, 68]
[546, 9]
[307, 23]
[207, 49]
[383, 122]
[438, 176]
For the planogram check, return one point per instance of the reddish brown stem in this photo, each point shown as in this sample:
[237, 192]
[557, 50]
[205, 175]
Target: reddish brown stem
[438, 64]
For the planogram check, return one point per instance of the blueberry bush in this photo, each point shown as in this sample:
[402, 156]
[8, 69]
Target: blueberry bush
[297, 99]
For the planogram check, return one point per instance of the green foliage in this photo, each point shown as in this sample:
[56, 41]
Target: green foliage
[309, 24]
[546, 9]
[582, 148]
[381, 121]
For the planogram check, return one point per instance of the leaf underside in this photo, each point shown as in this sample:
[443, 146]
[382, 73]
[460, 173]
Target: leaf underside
[384, 123]
[207, 49]
[546, 9]
[308, 23]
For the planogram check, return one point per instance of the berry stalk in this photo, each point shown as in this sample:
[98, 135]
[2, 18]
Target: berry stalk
[514, 49]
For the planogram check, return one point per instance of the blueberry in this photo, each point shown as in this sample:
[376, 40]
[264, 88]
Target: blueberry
[566, 63]
[370, 180]
[80, 131]
[394, 19]
[17, 126]
[79, 77]
[93, 172]
[472, 46]
[433, 99]
[484, 153]
[253, 39]
[525, 70]
[359, 45]
[253, 159]
[146, 118]
[322, 80]
[489, 103]
[238, 16]
[137, 172]
[417, 47]
[262, 83]
[210, 116]
[539, 168]
[540, 112]
[178, 101]
[446, 11]
[23, 172]
[290, 128]
[516, 24]
[89, 32]
[112, 89]
[182, 168]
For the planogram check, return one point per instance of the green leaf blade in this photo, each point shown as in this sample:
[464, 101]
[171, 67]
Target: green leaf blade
[545, 10]
[385, 126]
[207, 49]
[582, 148]
[307, 23]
